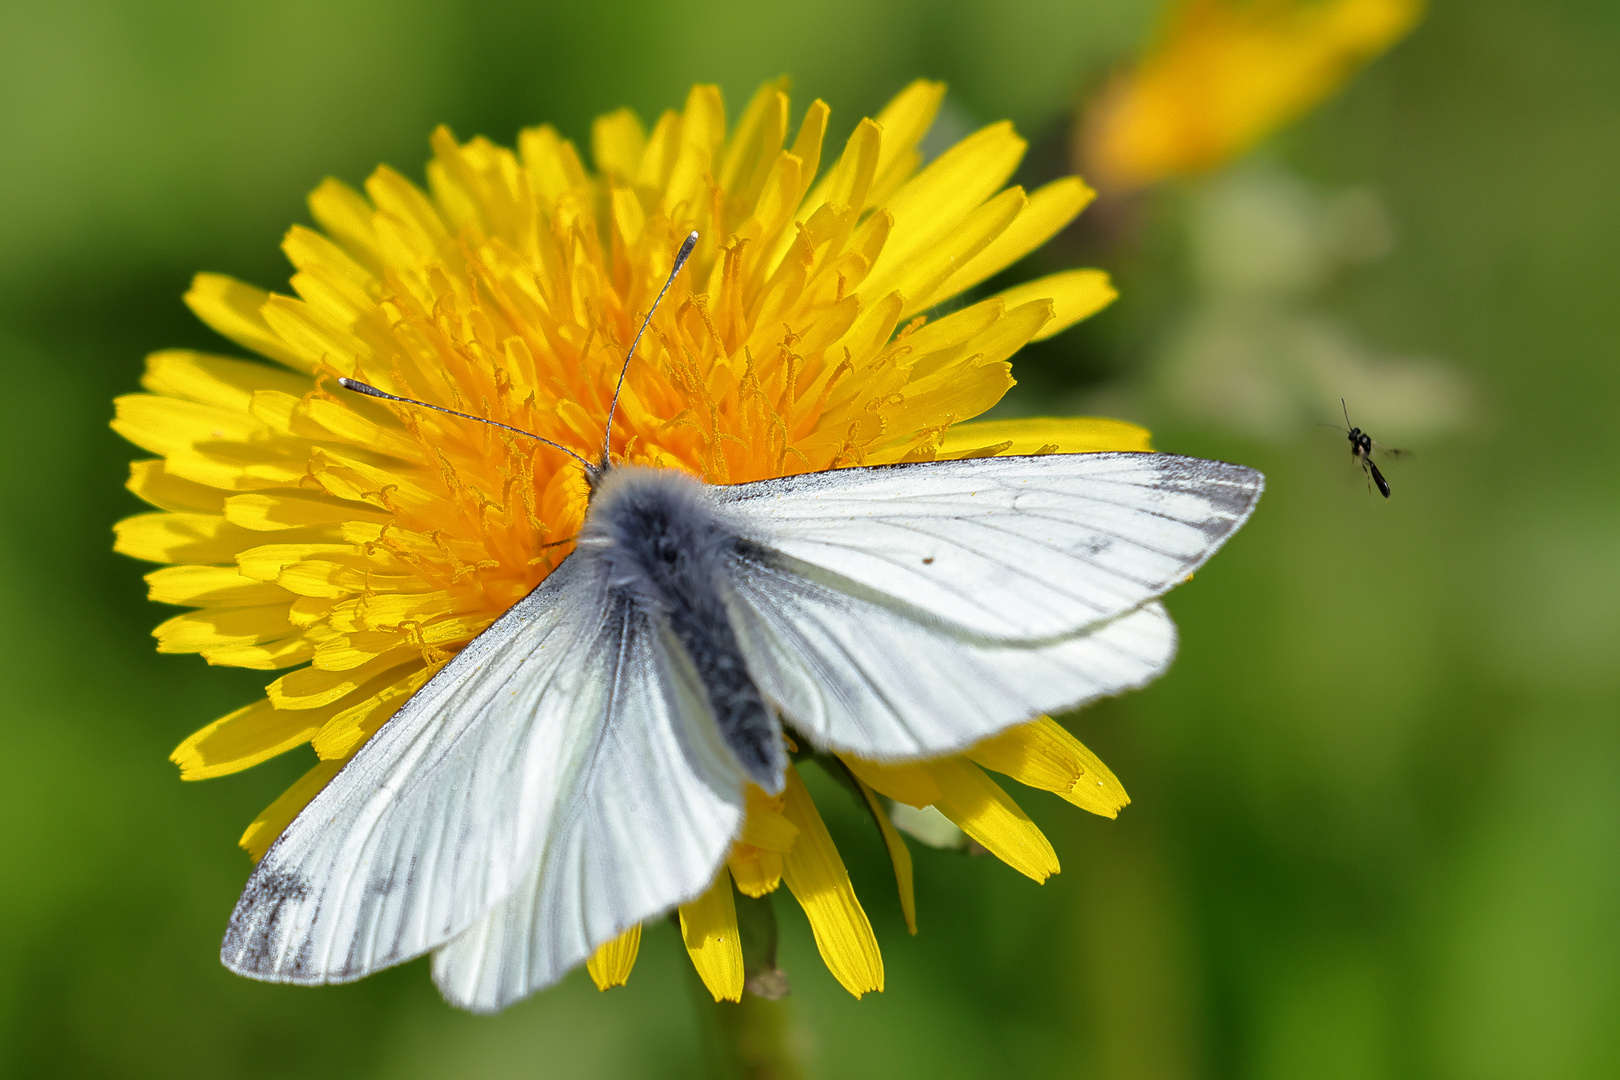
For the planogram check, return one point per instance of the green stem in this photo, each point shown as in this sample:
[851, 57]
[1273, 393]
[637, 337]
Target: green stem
[757, 1036]
[747, 1040]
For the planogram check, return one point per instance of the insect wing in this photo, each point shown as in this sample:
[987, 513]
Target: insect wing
[641, 836]
[450, 808]
[1015, 547]
[912, 610]
[857, 672]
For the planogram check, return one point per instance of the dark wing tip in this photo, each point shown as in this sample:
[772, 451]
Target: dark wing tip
[252, 937]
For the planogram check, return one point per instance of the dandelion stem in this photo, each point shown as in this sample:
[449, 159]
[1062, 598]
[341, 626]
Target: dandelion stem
[746, 1040]
[752, 1039]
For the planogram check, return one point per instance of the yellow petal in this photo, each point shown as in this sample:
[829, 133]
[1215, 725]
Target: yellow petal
[807, 143]
[403, 204]
[610, 964]
[238, 466]
[381, 698]
[946, 339]
[847, 183]
[904, 120]
[1021, 323]
[757, 871]
[211, 586]
[345, 215]
[807, 149]
[278, 815]
[216, 380]
[628, 217]
[709, 930]
[703, 129]
[173, 538]
[310, 688]
[935, 201]
[199, 630]
[922, 277]
[319, 417]
[323, 577]
[165, 424]
[1045, 435]
[1075, 295]
[815, 874]
[752, 148]
[244, 738]
[284, 652]
[553, 166]
[385, 612]
[345, 651]
[265, 562]
[907, 782]
[765, 825]
[982, 810]
[315, 336]
[899, 855]
[1050, 209]
[233, 309]
[1042, 754]
[617, 143]
[756, 857]
[151, 481]
[273, 511]
[327, 274]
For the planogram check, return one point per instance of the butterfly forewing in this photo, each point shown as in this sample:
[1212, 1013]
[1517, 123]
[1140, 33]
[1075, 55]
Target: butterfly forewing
[1011, 548]
[645, 832]
[1017, 548]
[438, 814]
[452, 807]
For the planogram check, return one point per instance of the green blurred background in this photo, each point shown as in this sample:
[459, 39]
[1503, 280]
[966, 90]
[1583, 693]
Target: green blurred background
[1376, 827]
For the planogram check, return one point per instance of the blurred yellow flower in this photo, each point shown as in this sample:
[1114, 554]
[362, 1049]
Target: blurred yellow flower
[363, 544]
[1223, 75]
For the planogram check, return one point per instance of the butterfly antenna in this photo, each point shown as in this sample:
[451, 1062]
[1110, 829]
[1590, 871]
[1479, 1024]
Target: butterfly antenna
[371, 391]
[680, 261]
[1346, 409]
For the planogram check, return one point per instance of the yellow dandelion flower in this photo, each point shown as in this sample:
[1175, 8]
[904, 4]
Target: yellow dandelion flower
[1226, 73]
[362, 544]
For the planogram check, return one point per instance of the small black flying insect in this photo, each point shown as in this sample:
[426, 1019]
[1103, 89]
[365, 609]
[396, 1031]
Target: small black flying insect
[1361, 449]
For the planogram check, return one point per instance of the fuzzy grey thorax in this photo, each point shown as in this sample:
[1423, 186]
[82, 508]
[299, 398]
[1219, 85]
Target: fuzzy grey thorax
[666, 551]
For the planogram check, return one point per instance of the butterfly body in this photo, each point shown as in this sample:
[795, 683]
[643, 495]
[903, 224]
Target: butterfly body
[665, 550]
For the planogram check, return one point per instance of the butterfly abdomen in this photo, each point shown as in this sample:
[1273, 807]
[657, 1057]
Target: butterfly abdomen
[665, 550]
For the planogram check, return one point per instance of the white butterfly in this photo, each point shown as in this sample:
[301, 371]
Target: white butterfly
[579, 767]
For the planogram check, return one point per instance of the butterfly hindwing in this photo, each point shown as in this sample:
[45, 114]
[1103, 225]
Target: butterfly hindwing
[855, 674]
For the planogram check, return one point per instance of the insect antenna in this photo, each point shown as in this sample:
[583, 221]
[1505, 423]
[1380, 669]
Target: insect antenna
[680, 261]
[371, 391]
